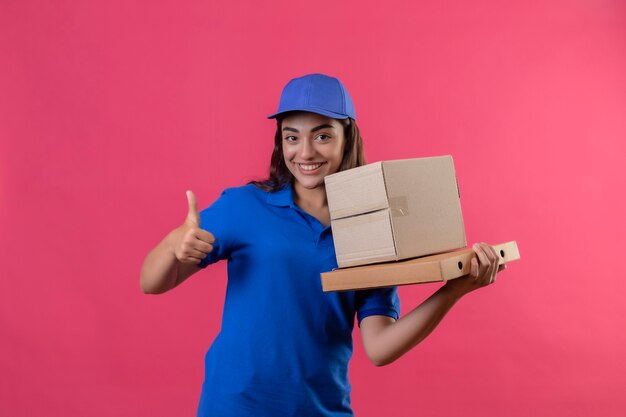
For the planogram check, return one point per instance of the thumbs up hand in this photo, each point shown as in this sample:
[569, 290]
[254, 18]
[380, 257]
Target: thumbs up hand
[192, 244]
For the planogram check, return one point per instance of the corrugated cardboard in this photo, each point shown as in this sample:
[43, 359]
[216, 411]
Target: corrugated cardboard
[441, 267]
[394, 210]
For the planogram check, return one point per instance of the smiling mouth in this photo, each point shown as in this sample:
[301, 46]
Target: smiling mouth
[310, 167]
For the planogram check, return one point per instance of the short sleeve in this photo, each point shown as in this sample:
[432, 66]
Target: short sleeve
[219, 220]
[377, 302]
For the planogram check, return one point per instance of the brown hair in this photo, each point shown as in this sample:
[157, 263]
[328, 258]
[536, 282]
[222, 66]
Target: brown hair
[280, 175]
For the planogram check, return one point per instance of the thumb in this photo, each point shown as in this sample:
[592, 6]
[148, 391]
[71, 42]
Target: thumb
[192, 215]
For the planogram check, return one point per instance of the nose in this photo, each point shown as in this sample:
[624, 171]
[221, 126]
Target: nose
[307, 150]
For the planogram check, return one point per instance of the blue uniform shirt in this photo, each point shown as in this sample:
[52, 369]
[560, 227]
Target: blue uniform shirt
[284, 345]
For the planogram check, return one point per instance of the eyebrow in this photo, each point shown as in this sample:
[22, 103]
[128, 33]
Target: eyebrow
[315, 129]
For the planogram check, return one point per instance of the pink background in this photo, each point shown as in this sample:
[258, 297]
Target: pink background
[110, 111]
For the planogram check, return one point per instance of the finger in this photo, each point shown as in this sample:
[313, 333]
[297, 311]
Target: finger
[490, 252]
[196, 253]
[192, 214]
[483, 262]
[487, 268]
[493, 262]
[191, 260]
[193, 246]
[495, 255]
[205, 236]
[492, 269]
[202, 246]
[474, 268]
[480, 254]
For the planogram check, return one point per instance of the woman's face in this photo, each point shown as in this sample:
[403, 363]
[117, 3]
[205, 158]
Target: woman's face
[313, 147]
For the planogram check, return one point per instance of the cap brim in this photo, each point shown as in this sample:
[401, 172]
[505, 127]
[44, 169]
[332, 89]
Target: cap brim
[311, 110]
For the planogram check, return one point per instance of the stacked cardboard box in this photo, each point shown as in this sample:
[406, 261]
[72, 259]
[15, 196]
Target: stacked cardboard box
[390, 211]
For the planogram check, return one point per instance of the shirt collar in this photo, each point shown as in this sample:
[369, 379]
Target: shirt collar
[281, 198]
[284, 198]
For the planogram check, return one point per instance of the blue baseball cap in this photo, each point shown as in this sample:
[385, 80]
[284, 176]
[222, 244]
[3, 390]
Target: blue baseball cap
[316, 93]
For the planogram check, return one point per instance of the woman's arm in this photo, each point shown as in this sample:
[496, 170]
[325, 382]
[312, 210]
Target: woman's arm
[386, 339]
[161, 271]
[176, 257]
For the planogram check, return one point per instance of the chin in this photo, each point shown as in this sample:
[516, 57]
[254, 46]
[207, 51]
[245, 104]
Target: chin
[310, 183]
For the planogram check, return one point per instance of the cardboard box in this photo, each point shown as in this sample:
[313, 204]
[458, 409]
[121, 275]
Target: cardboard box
[394, 210]
[434, 268]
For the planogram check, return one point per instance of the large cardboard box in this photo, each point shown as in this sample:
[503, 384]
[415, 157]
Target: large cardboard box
[394, 210]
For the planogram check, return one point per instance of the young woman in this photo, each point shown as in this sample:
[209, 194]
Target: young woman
[284, 345]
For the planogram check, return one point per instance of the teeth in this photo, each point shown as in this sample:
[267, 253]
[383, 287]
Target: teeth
[310, 167]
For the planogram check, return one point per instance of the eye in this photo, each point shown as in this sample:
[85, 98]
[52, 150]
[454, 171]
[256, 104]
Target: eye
[323, 137]
[290, 138]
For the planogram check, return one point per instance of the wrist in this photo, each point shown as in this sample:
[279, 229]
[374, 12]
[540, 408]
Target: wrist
[451, 289]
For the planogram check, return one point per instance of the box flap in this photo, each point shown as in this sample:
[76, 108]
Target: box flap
[356, 191]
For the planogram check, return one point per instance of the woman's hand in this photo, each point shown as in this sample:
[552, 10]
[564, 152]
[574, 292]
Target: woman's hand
[483, 270]
[189, 243]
